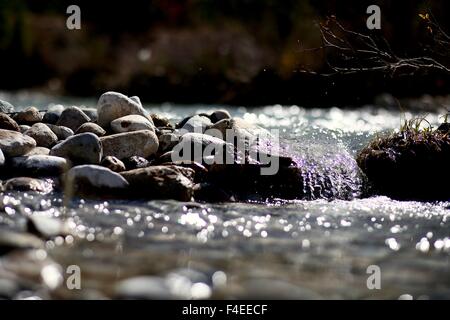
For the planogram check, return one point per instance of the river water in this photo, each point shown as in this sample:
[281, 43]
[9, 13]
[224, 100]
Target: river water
[308, 249]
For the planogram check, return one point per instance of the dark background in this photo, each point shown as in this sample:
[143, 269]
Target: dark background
[210, 51]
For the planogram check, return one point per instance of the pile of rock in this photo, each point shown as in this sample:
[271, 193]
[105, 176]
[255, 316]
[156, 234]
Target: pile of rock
[121, 150]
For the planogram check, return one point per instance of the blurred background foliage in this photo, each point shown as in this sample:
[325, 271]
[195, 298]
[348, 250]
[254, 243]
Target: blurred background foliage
[208, 51]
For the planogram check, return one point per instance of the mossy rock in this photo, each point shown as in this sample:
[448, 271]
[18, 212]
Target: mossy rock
[409, 165]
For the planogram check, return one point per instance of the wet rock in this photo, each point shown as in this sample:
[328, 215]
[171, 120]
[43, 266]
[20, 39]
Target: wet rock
[38, 165]
[73, 118]
[53, 113]
[167, 141]
[7, 123]
[161, 182]
[219, 115]
[23, 128]
[135, 162]
[2, 158]
[83, 148]
[113, 105]
[14, 143]
[27, 184]
[93, 180]
[209, 192]
[38, 151]
[46, 227]
[6, 107]
[113, 164]
[91, 127]
[42, 134]
[61, 132]
[197, 124]
[160, 121]
[131, 123]
[142, 143]
[11, 240]
[28, 116]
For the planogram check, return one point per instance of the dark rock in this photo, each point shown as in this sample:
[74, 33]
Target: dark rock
[38, 165]
[219, 115]
[93, 180]
[42, 134]
[7, 123]
[83, 148]
[444, 127]
[53, 113]
[91, 127]
[161, 182]
[28, 116]
[211, 193]
[113, 164]
[73, 118]
[15, 144]
[135, 162]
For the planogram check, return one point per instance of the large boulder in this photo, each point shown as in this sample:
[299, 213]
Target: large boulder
[14, 143]
[143, 143]
[161, 182]
[83, 148]
[73, 118]
[113, 105]
[42, 134]
[132, 122]
[94, 180]
[7, 123]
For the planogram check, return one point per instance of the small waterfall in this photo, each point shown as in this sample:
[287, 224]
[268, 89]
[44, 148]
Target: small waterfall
[327, 170]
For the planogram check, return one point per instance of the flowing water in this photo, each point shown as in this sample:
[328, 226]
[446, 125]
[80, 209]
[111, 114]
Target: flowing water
[308, 249]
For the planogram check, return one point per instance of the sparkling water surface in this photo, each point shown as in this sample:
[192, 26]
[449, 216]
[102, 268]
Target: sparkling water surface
[282, 249]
